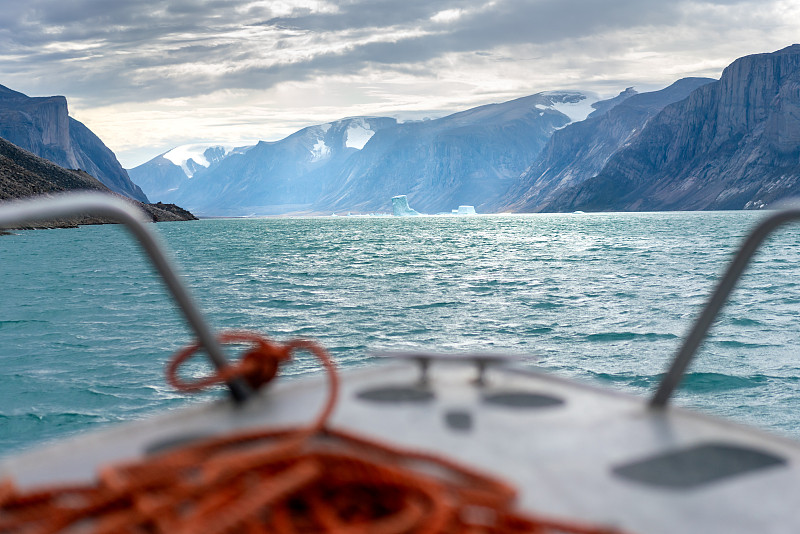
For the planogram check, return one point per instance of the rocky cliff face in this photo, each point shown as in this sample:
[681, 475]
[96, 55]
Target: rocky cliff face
[732, 144]
[43, 126]
[580, 150]
[23, 174]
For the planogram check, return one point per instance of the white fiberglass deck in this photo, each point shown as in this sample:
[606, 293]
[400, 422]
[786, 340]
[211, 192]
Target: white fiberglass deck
[573, 451]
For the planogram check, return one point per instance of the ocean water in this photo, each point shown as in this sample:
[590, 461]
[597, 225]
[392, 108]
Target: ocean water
[86, 327]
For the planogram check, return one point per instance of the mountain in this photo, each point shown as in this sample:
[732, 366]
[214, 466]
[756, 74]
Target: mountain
[23, 174]
[43, 126]
[732, 144]
[580, 150]
[360, 163]
[164, 174]
[468, 158]
[270, 177]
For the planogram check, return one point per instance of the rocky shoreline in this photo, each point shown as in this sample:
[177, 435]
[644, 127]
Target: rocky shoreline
[22, 175]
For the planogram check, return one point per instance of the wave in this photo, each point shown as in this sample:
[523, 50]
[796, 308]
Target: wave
[429, 305]
[717, 382]
[17, 323]
[697, 383]
[626, 336]
[744, 321]
[733, 344]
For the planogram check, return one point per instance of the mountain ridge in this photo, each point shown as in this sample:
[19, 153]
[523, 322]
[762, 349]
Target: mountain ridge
[463, 158]
[732, 144]
[581, 149]
[698, 143]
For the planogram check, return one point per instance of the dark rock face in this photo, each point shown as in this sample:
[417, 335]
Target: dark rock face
[732, 144]
[580, 150]
[23, 174]
[161, 212]
[43, 126]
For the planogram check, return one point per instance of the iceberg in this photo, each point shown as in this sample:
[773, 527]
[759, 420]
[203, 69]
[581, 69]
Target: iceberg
[465, 210]
[400, 207]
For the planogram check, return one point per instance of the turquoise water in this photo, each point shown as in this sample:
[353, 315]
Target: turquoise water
[86, 327]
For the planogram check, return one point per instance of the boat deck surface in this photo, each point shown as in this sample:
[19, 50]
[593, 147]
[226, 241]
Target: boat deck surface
[572, 450]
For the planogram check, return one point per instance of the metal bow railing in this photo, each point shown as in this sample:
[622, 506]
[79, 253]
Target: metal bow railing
[715, 303]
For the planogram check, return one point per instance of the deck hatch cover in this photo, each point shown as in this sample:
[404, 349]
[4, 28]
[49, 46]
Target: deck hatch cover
[391, 394]
[458, 420]
[522, 399]
[698, 465]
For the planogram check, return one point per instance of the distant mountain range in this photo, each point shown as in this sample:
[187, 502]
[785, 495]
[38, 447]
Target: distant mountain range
[359, 164]
[732, 143]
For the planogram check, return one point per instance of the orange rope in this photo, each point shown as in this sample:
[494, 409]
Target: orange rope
[284, 481]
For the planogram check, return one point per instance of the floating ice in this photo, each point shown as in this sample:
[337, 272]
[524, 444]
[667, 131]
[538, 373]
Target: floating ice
[400, 207]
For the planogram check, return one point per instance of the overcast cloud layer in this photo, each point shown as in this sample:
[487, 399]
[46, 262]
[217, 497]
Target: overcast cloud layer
[146, 75]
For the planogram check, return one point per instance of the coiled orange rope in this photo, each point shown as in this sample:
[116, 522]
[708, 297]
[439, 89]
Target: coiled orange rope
[284, 481]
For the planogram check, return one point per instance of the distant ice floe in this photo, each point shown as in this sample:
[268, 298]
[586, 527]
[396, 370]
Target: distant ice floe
[400, 207]
[464, 210]
[358, 133]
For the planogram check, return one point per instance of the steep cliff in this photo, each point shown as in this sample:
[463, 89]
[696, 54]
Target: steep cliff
[23, 174]
[43, 126]
[579, 151]
[731, 144]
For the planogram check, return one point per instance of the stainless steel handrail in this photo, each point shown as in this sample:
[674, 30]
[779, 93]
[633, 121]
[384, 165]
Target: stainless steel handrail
[20, 212]
[716, 301]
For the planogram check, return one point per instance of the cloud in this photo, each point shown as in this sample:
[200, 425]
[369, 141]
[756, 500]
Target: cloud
[150, 48]
[102, 54]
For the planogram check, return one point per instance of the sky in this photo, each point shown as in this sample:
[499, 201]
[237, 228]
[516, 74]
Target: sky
[149, 75]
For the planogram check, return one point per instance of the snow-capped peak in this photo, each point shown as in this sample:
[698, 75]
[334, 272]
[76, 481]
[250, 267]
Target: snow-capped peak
[190, 157]
[358, 133]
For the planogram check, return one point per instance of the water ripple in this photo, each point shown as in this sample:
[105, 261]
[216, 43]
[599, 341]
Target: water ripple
[86, 327]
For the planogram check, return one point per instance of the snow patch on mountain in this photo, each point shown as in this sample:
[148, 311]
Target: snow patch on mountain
[320, 150]
[189, 157]
[576, 106]
[358, 133]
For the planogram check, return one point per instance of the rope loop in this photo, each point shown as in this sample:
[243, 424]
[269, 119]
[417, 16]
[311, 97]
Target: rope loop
[258, 365]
